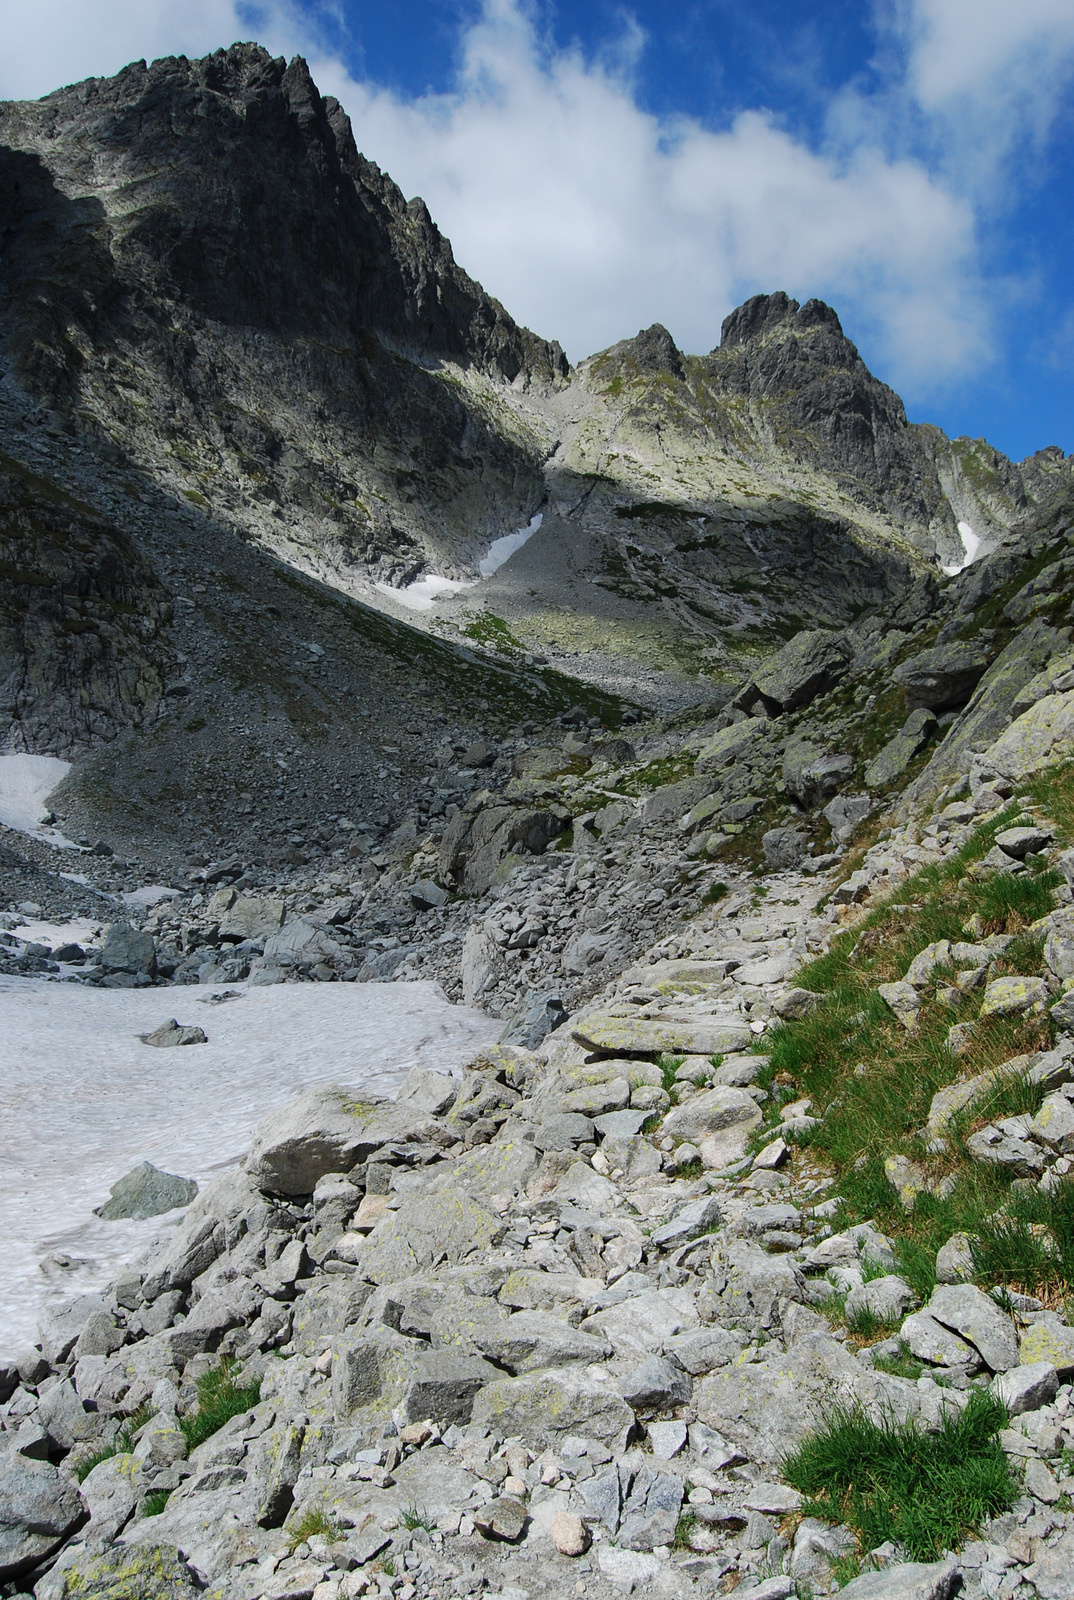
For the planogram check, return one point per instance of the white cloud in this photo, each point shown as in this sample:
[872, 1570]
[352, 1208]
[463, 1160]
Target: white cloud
[589, 217]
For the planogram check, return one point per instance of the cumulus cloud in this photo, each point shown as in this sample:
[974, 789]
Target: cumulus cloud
[590, 217]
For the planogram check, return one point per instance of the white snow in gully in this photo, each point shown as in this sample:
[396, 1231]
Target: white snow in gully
[423, 593]
[25, 784]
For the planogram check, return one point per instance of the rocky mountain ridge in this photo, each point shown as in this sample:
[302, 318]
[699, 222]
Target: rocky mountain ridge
[242, 310]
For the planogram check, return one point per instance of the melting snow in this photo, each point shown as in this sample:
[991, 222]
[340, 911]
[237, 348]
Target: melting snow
[424, 592]
[501, 550]
[420, 595]
[85, 1101]
[970, 543]
[150, 894]
[25, 784]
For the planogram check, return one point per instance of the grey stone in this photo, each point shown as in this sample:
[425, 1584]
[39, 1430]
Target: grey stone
[329, 1129]
[425, 895]
[666, 1439]
[529, 1340]
[892, 761]
[642, 1324]
[795, 1004]
[603, 1494]
[1053, 1124]
[542, 1408]
[38, 1510]
[1050, 1341]
[701, 1350]
[700, 1036]
[503, 1518]
[688, 1222]
[1004, 1144]
[954, 1260]
[811, 776]
[651, 1513]
[943, 676]
[171, 1033]
[428, 1091]
[145, 1191]
[428, 1230]
[1059, 944]
[301, 943]
[755, 1284]
[1052, 1573]
[1026, 1388]
[126, 949]
[712, 1111]
[476, 842]
[564, 1131]
[620, 1124]
[888, 1298]
[931, 1341]
[783, 847]
[110, 1494]
[62, 1413]
[120, 1572]
[250, 916]
[1023, 841]
[59, 1326]
[813, 662]
[845, 812]
[656, 1385]
[597, 1099]
[633, 1156]
[910, 1580]
[530, 1026]
[729, 744]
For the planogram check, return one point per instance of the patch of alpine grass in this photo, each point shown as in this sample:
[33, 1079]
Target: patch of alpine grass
[154, 1502]
[893, 1481]
[121, 1445]
[219, 1399]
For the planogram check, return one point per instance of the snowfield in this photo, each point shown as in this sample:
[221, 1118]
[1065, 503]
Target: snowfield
[25, 784]
[84, 1101]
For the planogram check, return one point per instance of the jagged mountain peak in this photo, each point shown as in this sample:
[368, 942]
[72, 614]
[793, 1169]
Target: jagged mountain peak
[762, 313]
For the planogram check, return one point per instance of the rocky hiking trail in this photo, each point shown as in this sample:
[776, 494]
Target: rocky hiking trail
[560, 1326]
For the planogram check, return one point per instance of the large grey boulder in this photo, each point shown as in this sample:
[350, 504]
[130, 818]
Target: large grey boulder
[476, 842]
[812, 776]
[767, 1407]
[893, 760]
[145, 1191]
[845, 812]
[301, 944]
[943, 676]
[910, 1580]
[529, 1340]
[710, 1112]
[651, 1512]
[127, 949]
[428, 1230]
[1040, 736]
[812, 663]
[250, 916]
[120, 1572]
[783, 848]
[729, 743]
[38, 1510]
[687, 1036]
[543, 1407]
[329, 1129]
[532, 1023]
[973, 1314]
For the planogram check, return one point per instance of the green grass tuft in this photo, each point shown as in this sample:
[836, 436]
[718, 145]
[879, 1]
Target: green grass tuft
[414, 1517]
[924, 1491]
[311, 1525]
[121, 1445]
[219, 1399]
[154, 1502]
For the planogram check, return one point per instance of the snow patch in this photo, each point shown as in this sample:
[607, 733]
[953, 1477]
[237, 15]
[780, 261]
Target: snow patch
[501, 550]
[970, 543]
[85, 1101]
[25, 784]
[423, 593]
[150, 894]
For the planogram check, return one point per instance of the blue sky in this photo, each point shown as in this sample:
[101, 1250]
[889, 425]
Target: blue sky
[600, 166]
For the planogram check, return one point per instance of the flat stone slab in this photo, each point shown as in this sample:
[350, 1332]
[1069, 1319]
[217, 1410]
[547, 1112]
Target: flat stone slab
[685, 1036]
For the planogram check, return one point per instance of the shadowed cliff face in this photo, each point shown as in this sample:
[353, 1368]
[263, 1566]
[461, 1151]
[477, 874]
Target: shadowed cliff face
[207, 284]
